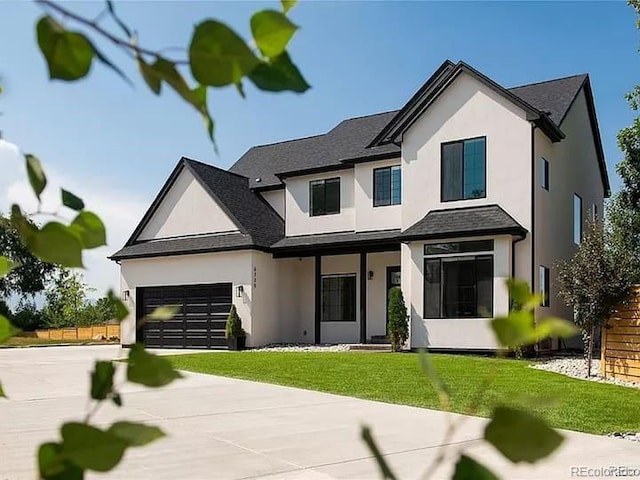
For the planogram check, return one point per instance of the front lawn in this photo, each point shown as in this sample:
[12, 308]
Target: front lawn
[397, 378]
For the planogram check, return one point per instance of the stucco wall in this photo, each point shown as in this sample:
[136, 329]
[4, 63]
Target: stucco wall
[573, 168]
[299, 222]
[187, 209]
[234, 267]
[377, 291]
[464, 333]
[342, 332]
[267, 324]
[369, 217]
[275, 198]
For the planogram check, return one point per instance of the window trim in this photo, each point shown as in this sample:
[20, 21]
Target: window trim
[373, 179]
[442, 145]
[545, 285]
[575, 195]
[544, 177]
[324, 181]
[355, 300]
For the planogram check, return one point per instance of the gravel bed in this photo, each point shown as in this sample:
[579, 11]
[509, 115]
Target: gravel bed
[633, 436]
[576, 367]
[300, 347]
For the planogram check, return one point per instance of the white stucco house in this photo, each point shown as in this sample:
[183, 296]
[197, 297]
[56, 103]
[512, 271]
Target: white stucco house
[469, 183]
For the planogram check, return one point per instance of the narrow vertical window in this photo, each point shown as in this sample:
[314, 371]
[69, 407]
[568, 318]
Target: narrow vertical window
[577, 219]
[594, 213]
[545, 289]
[387, 185]
[544, 173]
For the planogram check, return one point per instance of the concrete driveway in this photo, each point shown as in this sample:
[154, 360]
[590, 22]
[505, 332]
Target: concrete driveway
[224, 428]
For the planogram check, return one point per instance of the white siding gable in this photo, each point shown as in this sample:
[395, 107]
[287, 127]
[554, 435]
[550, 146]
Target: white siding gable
[187, 209]
[275, 198]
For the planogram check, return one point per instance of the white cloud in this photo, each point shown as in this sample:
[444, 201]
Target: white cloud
[119, 210]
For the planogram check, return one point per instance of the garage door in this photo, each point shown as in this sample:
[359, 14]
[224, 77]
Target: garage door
[199, 321]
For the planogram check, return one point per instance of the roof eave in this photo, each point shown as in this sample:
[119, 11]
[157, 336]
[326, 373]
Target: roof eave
[516, 231]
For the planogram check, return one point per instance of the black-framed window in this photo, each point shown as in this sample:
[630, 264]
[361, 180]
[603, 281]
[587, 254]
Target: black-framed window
[339, 298]
[459, 247]
[545, 286]
[577, 219]
[463, 169]
[324, 196]
[458, 287]
[387, 186]
[544, 173]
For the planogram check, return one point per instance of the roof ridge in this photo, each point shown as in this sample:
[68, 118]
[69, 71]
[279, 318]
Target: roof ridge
[287, 141]
[549, 81]
[369, 115]
[208, 165]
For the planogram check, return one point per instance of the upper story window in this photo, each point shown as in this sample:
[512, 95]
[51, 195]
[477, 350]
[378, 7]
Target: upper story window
[324, 196]
[544, 173]
[463, 169]
[387, 185]
[577, 219]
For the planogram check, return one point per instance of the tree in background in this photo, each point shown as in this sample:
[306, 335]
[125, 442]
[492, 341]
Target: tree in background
[594, 281]
[32, 275]
[398, 327]
[65, 299]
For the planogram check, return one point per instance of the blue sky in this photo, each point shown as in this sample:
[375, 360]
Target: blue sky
[116, 144]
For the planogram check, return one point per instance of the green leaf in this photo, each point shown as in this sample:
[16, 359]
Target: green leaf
[68, 54]
[279, 75]
[148, 369]
[150, 76]
[37, 178]
[135, 434]
[555, 327]
[6, 329]
[90, 229]
[121, 309]
[200, 96]
[515, 330]
[288, 4]
[71, 201]
[2, 394]
[521, 436]
[385, 470]
[117, 399]
[468, 469]
[272, 31]
[91, 448]
[6, 266]
[521, 295]
[218, 56]
[56, 243]
[102, 379]
[53, 466]
[444, 395]
[163, 313]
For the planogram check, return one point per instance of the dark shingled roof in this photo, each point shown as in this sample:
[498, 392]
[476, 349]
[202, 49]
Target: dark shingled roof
[342, 238]
[350, 139]
[464, 222]
[552, 96]
[260, 226]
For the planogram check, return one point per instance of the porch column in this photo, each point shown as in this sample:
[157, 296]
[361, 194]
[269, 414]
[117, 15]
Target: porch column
[363, 297]
[318, 297]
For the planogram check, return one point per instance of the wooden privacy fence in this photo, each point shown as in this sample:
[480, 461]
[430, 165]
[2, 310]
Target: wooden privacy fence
[620, 353]
[80, 333]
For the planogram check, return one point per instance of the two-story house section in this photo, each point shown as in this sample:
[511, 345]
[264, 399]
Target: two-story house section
[468, 184]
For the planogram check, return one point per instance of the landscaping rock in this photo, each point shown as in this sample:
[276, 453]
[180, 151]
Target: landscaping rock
[576, 367]
[300, 347]
[633, 436]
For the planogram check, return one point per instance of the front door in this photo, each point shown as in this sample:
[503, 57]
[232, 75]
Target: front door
[393, 280]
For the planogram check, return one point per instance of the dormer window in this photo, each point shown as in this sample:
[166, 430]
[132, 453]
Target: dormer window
[463, 169]
[387, 185]
[324, 197]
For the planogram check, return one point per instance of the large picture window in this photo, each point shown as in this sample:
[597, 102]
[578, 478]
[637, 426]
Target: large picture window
[459, 286]
[339, 298]
[463, 169]
[324, 196]
[387, 185]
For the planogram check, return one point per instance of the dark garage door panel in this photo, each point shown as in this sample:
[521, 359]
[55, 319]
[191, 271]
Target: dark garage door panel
[199, 321]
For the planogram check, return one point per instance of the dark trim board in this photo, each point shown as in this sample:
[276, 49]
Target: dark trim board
[363, 297]
[318, 299]
[336, 250]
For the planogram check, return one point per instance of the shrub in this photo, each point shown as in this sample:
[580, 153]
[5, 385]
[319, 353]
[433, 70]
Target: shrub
[234, 325]
[398, 327]
[98, 313]
[27, 317]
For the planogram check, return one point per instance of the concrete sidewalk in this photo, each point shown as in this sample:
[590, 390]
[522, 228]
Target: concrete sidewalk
[234, 429]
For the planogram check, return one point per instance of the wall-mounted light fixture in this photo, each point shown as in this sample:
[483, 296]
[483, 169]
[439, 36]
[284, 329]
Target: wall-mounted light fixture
[125, 295]
[370, 274]
[239, 291]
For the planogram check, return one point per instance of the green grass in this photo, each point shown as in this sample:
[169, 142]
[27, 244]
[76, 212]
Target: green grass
[397, 378]
[30, 341]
